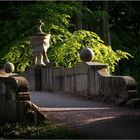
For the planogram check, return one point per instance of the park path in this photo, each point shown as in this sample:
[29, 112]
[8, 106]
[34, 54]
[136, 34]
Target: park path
[90, 119]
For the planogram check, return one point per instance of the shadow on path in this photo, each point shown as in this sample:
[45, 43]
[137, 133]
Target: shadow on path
[90, 119]
[123, 127]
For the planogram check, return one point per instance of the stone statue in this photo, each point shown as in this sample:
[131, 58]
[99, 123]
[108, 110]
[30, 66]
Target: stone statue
[45, 48]
[40, 44]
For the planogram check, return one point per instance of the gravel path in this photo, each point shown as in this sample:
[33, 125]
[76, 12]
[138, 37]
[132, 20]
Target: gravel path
[91, 119]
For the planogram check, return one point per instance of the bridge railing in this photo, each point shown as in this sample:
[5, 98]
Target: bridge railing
[88, 79]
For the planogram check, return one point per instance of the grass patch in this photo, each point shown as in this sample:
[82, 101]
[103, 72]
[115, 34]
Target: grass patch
[46, 130]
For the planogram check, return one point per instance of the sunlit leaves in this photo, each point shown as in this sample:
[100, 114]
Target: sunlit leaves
[15, 33]
[19, 55]
[67, 54]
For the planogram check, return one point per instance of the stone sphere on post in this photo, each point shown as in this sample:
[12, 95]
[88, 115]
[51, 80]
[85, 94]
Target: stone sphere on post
[86, 54]
[9, 67]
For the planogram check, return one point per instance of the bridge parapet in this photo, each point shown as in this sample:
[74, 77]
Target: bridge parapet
[15, 104]
[88, 79]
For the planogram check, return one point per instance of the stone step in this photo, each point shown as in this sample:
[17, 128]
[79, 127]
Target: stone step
[133, 94]
[22, 96]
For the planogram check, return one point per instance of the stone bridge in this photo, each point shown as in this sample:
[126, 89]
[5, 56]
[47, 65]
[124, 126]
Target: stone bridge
[74, 97]
[91, 118]
[87, 79]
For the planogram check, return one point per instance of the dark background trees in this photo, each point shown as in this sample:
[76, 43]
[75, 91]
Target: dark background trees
[124, 30]
[116, 22]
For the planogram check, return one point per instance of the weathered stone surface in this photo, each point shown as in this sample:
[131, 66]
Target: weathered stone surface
[116, 86]
[32, 113]
[9, 89]
[15, 100]
[2, 87]
[86, 54]
[10, 111]
[47, 79]
[93, 81]
[34, 76]
[21, 83]
[81, 68]
[69, 84]
[30, 76]
[82, 83]
[88, 79]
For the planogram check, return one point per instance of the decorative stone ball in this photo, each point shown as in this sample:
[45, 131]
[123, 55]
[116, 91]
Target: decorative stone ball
[9, 67]
[86, 54]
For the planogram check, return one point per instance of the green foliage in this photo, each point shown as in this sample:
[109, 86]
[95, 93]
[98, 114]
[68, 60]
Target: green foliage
[67, 54]
[19, 54]
[46, 130]
[125, 32]
[64, 44]
[14, 33]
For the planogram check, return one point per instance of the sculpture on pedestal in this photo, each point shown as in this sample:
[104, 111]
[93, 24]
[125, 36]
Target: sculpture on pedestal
[39, 44]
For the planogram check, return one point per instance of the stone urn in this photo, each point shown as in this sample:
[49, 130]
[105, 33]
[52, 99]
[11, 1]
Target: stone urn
[39, 43]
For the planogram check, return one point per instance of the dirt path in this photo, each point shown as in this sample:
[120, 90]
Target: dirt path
[90, 119]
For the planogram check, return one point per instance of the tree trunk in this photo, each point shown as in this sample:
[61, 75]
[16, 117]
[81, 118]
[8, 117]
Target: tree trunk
[105, 24]
[78, 17]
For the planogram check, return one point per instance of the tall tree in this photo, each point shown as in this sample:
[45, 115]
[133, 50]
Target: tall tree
[78, 16]
[105, 24]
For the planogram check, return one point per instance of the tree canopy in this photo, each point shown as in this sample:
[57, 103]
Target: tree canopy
[64, 20]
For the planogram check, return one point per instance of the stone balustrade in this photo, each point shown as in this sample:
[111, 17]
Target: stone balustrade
[87, 79]
[116, 87]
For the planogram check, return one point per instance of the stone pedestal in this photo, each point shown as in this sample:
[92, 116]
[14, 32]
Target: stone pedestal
[34, 77]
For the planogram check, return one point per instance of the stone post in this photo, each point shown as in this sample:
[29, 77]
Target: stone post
[39, 43]
[15, 104]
